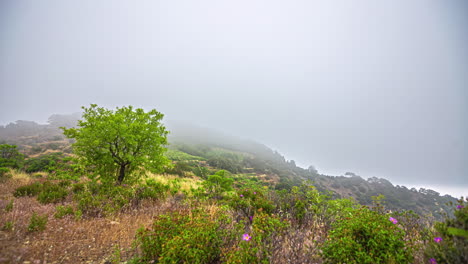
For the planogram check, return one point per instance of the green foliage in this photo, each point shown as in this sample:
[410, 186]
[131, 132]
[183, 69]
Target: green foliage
[8, 226]
[46, 163]
[4, 174]
[9, 206]
[37, 223]
[453, 233]
[180, 168]
[32, 189]
[201, 171]
[366, 237]
[103, 199]
[10, 156]
[47, 192]
[259, 248]
[126, 141]
[153, 190]
[218, 183]
[176, 155]
[231, 162]
[78, 187]
[180, 238]
[61, 211]
[51, 193]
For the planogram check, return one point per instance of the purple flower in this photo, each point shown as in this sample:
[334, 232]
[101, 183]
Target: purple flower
[393, 220]
[437, 239]
[460, 206]
[251, 218]
[246, 237]
[241, 195]
[432, 261]
[255, 192]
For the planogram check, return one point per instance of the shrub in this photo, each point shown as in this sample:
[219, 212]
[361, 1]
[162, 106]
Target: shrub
[9, 206]
[8, 226]
[28, 190]
[449, 242]
[218, 183]
[51, 193]
[180, 238]
[10, 156]
[37, 223]
[4, 174]
[98, 199]
[259, 245]
[62, 211]
[152, 190]
[78, 187]
[42, 163]
[366, 237]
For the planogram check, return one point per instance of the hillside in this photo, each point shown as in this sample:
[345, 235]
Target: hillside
[220, 199]
[214, 150]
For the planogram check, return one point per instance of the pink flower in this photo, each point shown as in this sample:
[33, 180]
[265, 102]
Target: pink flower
[255, 192]
[437, 239]
[460, 207]
[246, 237]
[432, 261]
[393, 220]
[241, 195]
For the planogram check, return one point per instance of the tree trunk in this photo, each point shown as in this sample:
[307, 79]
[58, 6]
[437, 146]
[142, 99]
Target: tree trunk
[121, 173]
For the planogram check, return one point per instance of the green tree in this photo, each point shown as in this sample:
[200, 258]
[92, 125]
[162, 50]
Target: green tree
[121, 142]
[218, 183]
[10, 156]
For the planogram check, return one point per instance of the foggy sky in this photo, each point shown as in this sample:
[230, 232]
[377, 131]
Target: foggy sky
[378, 88]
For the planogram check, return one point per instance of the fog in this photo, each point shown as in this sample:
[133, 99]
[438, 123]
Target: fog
[378, 88]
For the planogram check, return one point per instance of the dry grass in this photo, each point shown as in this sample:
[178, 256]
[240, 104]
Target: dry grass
[90, 240]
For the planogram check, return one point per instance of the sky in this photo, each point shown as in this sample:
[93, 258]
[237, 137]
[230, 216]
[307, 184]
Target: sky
[378, 88]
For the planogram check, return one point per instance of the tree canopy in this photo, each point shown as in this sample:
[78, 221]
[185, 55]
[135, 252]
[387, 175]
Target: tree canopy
[115, 144]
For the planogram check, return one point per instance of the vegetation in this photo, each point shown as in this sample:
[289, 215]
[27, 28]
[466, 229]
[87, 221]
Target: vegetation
[124, 141]
[217, 203]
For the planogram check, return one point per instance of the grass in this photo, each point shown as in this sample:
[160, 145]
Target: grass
[185, 184]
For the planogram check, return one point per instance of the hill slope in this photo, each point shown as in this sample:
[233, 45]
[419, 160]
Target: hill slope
[195, 149]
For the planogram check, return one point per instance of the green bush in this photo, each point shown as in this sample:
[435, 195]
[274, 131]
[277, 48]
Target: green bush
[103, 199]
[258, 246]
[9, 206]
[180, 238]
[10, 156]
[61, 211]
[51, 193]
[37, 223]
[366, 237]
[4, 174]
[8, 226]
[152, 190]
[218, 183]
[449, 242]
[28, 190]
[78, 187]
[46, 163]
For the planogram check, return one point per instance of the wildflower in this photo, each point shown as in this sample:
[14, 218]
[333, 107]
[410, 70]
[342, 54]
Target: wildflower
[393, 220]
[246, 237]
[255, 192]
[432, 261]
[251, 218]
[241, 195]
[460, 207]
[437, 239]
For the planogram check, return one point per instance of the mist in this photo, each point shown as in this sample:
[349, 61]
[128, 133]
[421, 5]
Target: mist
[374, 88]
